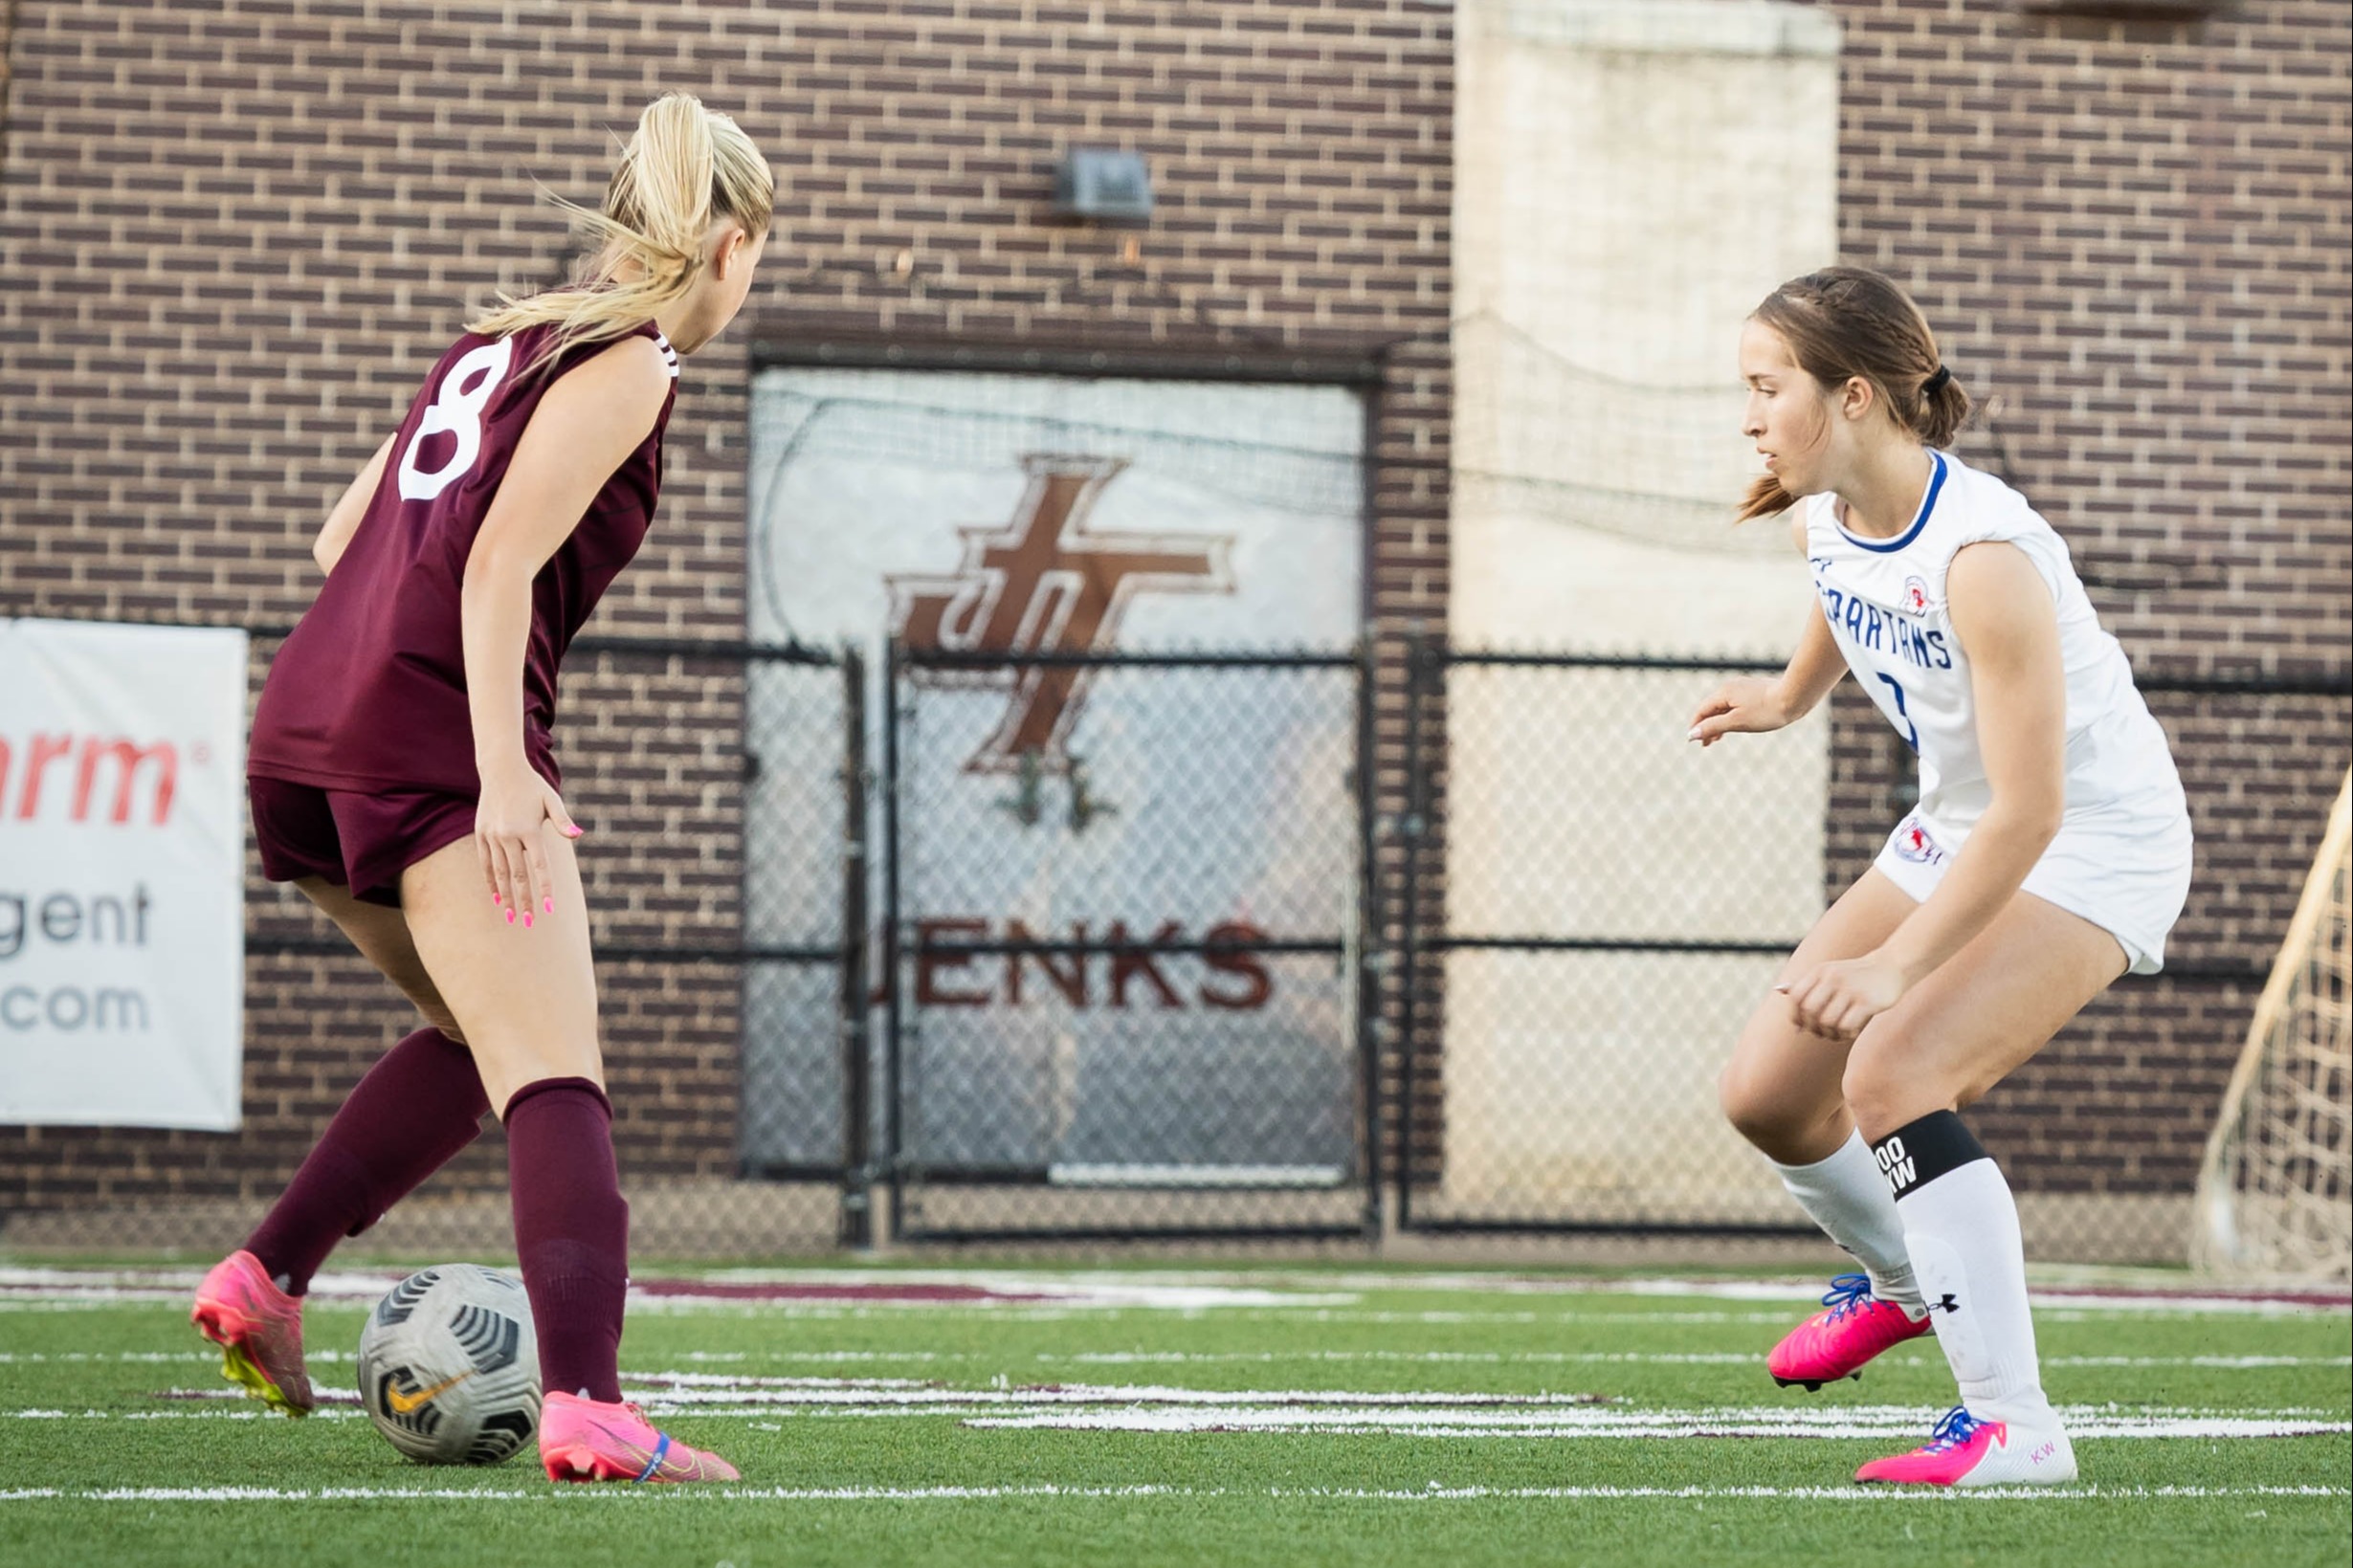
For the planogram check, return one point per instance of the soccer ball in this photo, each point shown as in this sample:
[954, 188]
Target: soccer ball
[450, 1368]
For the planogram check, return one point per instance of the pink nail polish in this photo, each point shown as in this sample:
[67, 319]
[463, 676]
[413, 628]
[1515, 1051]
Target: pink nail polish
[551, 906]
[526, 920]
[510, 916]
[495, 900]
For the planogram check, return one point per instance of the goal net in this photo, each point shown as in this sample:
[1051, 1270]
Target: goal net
[2275, 1196]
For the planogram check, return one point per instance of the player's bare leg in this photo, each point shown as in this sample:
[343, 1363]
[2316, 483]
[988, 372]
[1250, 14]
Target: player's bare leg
[525, 996]
[418, 1106]
[1781, 1087]
[1782, 1090]
[381, 933]
[1950, 1039]
[1979, 1016]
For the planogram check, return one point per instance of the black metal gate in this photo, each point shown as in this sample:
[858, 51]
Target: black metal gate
[1121, 987]
[804, 1112]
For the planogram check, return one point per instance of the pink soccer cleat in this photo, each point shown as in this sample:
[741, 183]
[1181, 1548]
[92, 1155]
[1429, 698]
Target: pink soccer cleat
[259, 1330]
[586, 1440]
[1964, 1451]
[1835, 1344]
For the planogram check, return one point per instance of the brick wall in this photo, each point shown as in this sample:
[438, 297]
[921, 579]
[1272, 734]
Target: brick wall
[233, 236]
[231, 239]
[2133, 239]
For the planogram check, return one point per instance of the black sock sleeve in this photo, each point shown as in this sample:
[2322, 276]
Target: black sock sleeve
[1919, 1152]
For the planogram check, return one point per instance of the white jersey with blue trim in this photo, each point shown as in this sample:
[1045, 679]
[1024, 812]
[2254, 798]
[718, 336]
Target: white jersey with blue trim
[1885, 602]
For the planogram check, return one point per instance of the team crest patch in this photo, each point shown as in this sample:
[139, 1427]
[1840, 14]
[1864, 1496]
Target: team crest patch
[1915, 596]
[1914, 843]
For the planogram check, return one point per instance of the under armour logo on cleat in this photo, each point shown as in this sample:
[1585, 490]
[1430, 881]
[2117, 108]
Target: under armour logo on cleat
[1945, 1304]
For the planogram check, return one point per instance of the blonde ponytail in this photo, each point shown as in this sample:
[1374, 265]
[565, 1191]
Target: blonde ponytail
[685, 168]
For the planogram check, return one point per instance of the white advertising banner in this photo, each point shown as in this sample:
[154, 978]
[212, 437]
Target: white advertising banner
[121, 863]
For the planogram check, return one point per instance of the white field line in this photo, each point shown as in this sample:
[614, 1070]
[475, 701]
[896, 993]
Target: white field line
[1639, 1357]
[688, 1390]
[1433, 1493]
[638, 1306]
[126, 1357]
[1329, 1412]
[643, 1305]
[1375, 1314]
[716, 1387]
[1791, 1288]
[806, 1312]
[2217, 1363]
[1182, 1292]
[2204, 1302]
[1018, 1292]
[1648, 1425]
[48, 1300]
[1477, 1358]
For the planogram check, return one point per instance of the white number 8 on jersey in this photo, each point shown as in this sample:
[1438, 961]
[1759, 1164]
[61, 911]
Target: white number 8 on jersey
[457, 410]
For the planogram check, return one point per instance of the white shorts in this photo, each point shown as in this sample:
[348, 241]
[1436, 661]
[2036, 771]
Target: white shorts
[2126, 873]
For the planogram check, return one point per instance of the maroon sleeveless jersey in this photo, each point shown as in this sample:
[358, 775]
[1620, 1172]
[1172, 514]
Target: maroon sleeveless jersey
[369, 692]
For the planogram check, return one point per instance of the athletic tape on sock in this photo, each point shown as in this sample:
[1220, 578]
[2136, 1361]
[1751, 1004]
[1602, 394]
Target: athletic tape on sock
[1919, 1152]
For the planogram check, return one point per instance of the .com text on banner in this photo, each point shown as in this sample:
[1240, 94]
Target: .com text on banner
[121, 854]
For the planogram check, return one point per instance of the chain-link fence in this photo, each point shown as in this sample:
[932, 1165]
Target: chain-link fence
[1592, 906]
[1593, 910]
[883, 953]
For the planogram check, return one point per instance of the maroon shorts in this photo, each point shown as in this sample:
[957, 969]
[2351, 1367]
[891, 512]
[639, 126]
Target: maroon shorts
[360, 841]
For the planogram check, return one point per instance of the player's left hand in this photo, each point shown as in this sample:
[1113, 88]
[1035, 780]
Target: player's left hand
[1837, 999]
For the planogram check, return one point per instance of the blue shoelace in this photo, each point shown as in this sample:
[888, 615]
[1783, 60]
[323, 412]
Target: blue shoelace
[1848, 1293]
[1956, 1428]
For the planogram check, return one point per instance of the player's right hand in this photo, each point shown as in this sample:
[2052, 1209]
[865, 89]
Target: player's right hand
[509, 826]
[1751, 704]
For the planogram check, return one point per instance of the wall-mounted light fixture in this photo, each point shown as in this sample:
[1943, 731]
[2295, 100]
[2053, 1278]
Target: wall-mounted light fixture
[1103, 185]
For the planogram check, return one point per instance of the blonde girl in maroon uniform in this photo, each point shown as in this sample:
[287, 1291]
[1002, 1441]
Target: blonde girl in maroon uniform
[402, 776]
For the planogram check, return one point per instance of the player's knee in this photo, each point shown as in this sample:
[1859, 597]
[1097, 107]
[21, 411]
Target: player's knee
[1877, 1090]
[1739, 1100]
[1757, 1111]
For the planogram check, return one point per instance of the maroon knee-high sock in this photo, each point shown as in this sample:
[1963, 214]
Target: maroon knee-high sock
[572, 1231]
[419, 1105]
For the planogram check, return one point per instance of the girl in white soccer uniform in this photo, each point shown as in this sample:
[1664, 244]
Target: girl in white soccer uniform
[2121, 858]
[2050, 853]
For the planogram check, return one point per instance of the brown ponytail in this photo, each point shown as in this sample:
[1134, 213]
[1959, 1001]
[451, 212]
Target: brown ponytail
[1843, 322]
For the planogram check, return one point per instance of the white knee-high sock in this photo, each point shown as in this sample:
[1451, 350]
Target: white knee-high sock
[1847, 1197]
[1961, 1225]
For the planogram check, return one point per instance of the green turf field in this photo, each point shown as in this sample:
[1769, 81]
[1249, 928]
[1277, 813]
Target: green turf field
[1150, 1416]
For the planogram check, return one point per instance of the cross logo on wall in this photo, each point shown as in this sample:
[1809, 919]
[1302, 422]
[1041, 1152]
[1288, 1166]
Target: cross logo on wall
[1043, 584]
